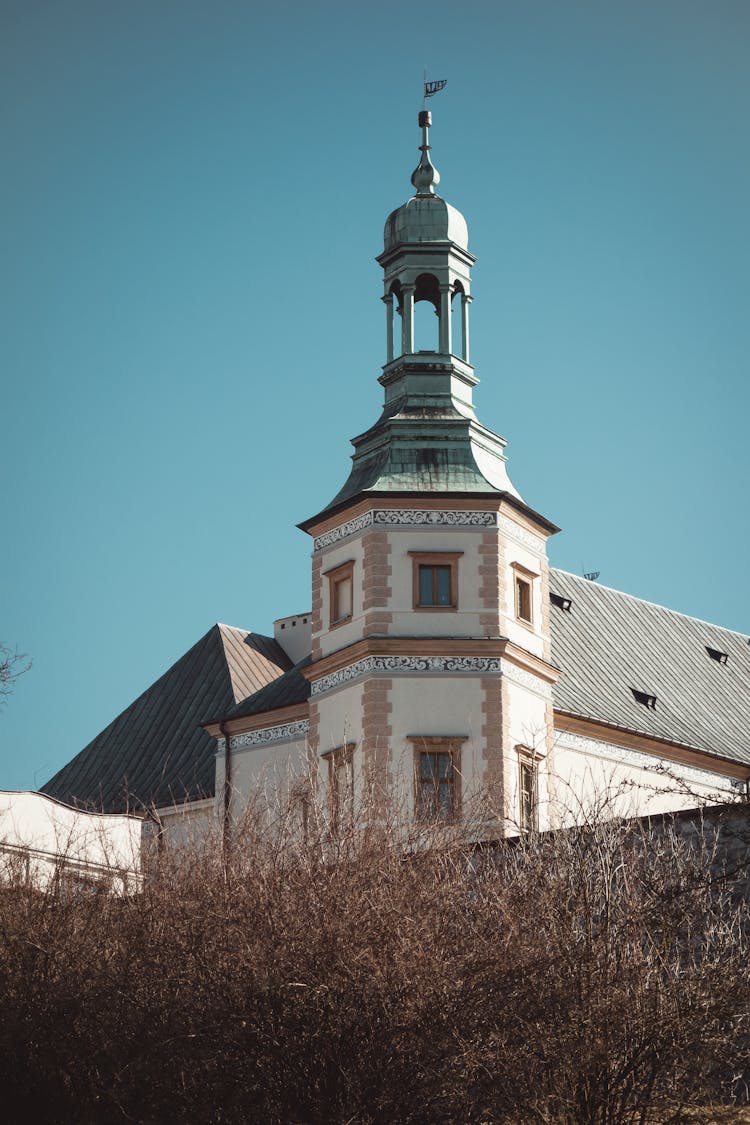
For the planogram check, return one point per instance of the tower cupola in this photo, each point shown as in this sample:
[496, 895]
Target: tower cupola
[426, 258]
[427, 439]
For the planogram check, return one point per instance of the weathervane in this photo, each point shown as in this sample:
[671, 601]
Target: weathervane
[431, 88]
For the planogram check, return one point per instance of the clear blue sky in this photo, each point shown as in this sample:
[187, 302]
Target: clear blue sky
[190, 324]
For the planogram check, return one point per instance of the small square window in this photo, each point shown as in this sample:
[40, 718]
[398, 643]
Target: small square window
[435, 579]
[341, 593]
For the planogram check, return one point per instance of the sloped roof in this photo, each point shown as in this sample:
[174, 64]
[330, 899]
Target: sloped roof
[156, 752]
[611, 643]
[287, 690]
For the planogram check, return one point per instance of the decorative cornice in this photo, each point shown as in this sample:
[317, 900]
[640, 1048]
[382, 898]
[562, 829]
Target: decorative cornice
[351, 527]
[405, 517]
[643, 760]
[473, 665]
[286, 732]
[430, 517]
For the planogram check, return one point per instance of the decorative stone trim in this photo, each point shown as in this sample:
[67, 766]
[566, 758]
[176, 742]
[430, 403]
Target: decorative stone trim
[567, 740]
[407, 517]
[286, 732]
[351, 527]
[389, 664]
[527, 680]
[520, 535]
[410, 517]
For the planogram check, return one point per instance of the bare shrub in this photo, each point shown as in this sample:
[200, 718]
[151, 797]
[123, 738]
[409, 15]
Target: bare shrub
[596, 975]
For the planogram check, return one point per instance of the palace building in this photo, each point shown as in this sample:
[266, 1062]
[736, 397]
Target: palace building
[442, 662]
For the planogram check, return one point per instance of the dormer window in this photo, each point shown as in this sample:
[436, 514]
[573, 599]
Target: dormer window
[341, 593]
[717, 655]
[644, 698]
[561, 602]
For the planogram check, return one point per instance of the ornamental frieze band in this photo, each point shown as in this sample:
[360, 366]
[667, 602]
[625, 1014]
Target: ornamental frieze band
[283, 733]
[406, 517]
[429, 664]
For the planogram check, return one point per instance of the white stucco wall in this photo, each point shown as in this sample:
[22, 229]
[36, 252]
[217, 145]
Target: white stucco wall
[594, 777]
[344, 633]
[463, 622]
[40, 837]
[261, 775]
[191, 825]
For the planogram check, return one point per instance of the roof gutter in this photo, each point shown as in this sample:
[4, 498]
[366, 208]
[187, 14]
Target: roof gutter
[226, 827]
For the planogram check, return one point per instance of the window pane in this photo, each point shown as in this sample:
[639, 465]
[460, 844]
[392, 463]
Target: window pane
[427, 769]
[428, 793]
[445, 800]
[523, 596]
[344, 598]
[528, 796]
[425, 585]
[443, 585]
[446, 765]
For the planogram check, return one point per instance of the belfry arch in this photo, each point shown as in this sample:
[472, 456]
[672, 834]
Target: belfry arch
[426, 261]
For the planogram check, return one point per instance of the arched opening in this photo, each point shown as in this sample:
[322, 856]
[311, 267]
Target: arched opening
[394, 305]
[426, 313]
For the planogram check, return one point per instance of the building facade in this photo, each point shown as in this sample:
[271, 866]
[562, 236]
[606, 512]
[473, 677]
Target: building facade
[443, 665]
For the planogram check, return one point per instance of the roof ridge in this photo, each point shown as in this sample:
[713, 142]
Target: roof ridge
[646, 601]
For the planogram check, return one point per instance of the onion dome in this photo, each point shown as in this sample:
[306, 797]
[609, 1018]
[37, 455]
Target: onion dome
[425, 217]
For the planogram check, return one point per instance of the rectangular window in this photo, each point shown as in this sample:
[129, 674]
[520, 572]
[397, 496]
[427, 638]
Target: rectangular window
[437, 774]
[528, 791]
[523, 584]
[435, 579]
[523, 599]
[436, 786]
[341, 593]
[435, 585]
[341, 787]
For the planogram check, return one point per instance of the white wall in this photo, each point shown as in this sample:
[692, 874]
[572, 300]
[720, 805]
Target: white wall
[593, 776]
[45, 837]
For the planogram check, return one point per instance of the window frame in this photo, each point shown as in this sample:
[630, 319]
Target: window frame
[341, 769]
[336, 576]
[435, 559]
[528, 821]
[434, 745]
[523, 578]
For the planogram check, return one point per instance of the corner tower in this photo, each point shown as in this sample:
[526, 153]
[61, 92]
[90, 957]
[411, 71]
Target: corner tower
[430, 675]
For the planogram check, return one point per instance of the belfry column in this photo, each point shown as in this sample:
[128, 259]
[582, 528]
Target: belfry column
[407, 321]
[388, 302]
[465, 302]
[446, 344]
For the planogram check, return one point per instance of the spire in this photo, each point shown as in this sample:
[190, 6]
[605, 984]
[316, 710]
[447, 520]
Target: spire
[425, 176]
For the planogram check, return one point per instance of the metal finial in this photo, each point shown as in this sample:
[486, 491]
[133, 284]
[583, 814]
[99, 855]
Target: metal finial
[425, 176]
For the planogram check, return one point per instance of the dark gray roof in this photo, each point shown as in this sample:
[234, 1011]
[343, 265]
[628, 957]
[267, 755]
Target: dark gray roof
[156, 752]
[610, 644]
[288, 689]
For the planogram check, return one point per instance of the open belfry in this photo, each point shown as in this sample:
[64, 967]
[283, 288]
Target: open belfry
[443, 665]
